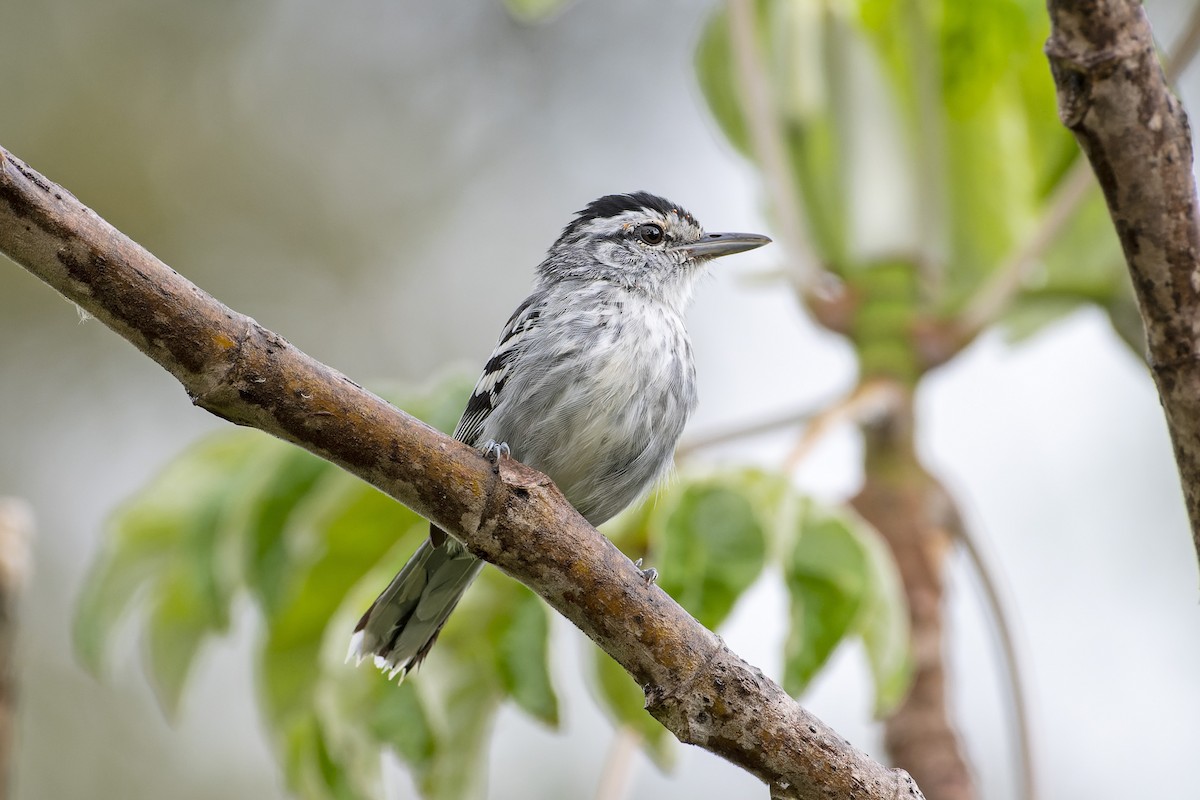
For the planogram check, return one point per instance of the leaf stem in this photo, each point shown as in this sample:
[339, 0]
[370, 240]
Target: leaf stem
[766, 138]
[614, 778]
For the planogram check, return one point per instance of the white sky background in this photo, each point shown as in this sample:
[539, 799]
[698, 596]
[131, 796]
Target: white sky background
[376, 181]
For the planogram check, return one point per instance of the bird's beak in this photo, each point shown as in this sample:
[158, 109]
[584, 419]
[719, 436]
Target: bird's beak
[722, 244]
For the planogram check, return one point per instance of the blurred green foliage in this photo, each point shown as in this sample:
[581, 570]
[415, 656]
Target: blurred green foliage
[970, 106]
[243, 515]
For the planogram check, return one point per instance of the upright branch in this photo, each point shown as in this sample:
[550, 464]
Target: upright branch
[505, 513]
[16, 530]
[916, 516]
[1113, 96]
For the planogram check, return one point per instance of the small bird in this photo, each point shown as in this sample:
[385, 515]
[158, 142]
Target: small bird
[591, 383]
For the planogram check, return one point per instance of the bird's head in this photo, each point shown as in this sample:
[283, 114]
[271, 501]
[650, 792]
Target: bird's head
[640, 242]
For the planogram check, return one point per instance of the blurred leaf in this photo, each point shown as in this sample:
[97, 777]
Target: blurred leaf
[534, 10]
[171, 540]
[841, 581]
[468, 698]
[315, 771]
[520, 636]
[178, 625]
[1002, 148]
[714, 71]
[1084, 265]
[396, 715]
[354, 526]
[625, 704]
[314, 545]
[883, 620]
[826, 580]
[710, 549]
[794, 43]
[282, 486]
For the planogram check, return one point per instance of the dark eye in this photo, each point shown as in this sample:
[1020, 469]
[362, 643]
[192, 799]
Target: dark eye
[650, 233]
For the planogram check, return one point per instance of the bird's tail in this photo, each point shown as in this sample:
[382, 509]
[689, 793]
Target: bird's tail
[404, 621]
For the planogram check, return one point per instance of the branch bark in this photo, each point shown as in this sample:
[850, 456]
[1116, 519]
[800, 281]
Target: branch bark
[1113, 96]
[509, 515]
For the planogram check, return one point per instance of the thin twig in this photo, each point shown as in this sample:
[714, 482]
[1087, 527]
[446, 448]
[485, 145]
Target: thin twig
[1183, 51]
[1006, 633]
[867, 400]
[997, 293]
[744, 431]
[766, 138]
[614, 779]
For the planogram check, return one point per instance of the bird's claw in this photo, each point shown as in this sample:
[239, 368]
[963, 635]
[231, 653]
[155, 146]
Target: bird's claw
[649, 574]
[493, 451]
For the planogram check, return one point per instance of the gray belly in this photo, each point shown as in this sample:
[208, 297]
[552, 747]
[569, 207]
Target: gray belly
[603, 426]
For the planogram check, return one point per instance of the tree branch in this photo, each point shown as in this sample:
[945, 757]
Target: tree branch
[914, 514]
[1113, 96]
[509, 515]
[16, 531]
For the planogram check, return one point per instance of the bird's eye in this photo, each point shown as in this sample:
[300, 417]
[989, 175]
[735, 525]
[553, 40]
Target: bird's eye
[650, 233]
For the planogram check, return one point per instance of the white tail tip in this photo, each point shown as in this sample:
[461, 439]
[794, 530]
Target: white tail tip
[355, 651]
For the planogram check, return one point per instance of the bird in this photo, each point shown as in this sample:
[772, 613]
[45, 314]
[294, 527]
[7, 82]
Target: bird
[591, 383]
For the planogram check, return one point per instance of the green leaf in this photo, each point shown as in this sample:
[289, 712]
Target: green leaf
[796, 43]
[179, 623]
[533, 10]
[1084, 265]
[292, 476]
[826, 579]
[709, 548]
[520, 637]
[354, 527]
[243, 511]
[714, 71]
[316, 771]
[396, 716]
[625, 703]
[171, 541]
[468, 700]
[841, 582]
[883, 621]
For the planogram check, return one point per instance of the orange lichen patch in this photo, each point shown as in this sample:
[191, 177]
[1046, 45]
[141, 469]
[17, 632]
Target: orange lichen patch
[223, 341]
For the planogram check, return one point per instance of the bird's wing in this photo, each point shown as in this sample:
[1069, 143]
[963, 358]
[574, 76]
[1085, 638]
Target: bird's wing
[519, 331]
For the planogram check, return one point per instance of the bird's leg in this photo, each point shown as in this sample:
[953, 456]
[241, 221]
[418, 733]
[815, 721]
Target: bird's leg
[650, 574]
[494, 451]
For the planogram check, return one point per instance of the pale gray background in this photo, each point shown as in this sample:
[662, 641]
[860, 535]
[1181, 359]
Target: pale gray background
[376, 180]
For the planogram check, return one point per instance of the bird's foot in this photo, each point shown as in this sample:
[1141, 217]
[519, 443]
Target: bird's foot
[493, 451]
[649, 574]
